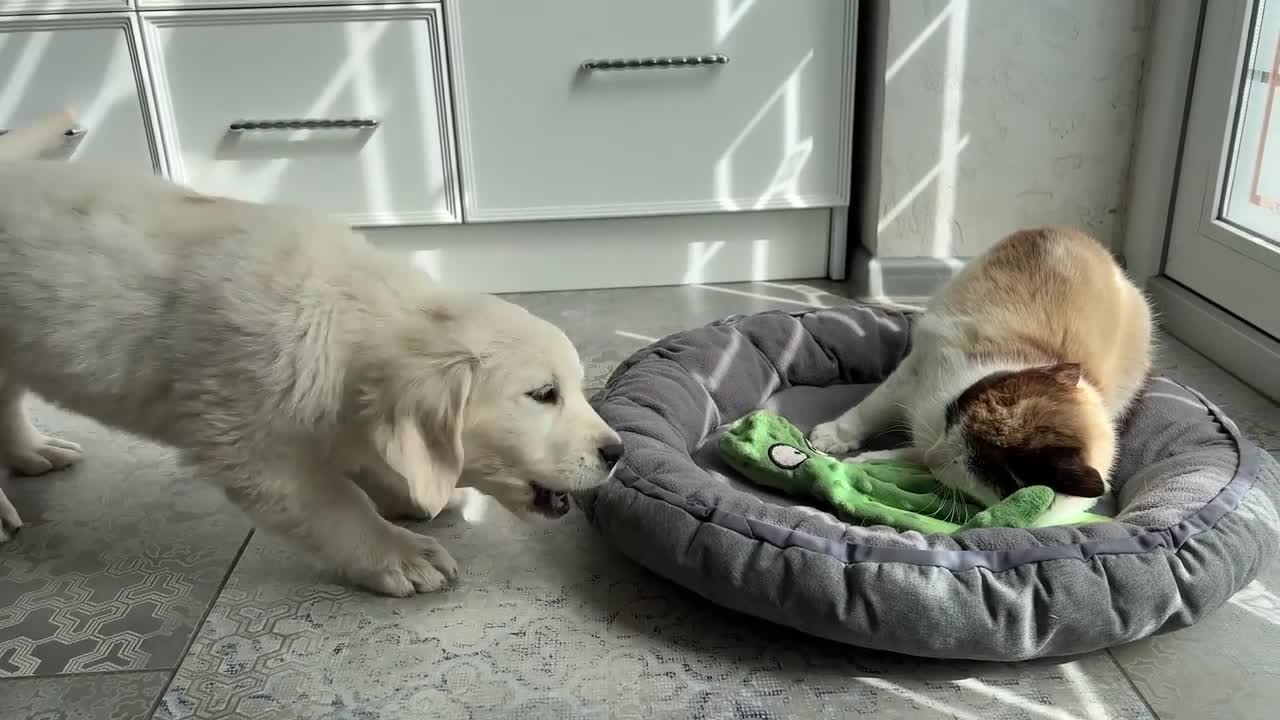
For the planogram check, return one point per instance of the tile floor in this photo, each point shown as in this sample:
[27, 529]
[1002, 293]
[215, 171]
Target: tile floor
[135, 593]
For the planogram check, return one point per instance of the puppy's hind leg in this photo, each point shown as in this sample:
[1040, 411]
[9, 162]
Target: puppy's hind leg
[324, 513]
[22, 447]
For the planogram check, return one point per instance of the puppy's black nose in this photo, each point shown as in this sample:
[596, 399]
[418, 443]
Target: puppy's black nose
[611, 453]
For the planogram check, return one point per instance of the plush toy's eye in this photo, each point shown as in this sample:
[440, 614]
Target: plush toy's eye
[547, 394]
[787, 457]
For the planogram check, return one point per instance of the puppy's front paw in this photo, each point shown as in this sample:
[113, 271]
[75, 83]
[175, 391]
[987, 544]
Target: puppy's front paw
[9, 520]
[830, 437]
[39, 454]
[423, 566]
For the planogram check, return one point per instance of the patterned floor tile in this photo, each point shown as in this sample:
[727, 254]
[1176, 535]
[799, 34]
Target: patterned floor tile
[112, 696]
[119, 559]
[1228, 665]
[548, 622]
[609, 325]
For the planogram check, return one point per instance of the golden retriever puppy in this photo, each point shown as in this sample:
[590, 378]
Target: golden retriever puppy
[323, 385]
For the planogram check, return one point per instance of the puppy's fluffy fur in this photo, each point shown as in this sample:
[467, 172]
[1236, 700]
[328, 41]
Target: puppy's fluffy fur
[322, 385]
[1019, 371]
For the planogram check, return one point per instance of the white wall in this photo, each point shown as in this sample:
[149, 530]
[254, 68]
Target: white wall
[1006, 113]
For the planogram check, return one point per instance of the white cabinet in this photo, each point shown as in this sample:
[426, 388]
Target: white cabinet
[92, 63]
[443, 126]
[543, 137]
[368, 86]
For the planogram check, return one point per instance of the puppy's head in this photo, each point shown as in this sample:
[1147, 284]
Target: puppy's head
[491, 397]
[1009, 430]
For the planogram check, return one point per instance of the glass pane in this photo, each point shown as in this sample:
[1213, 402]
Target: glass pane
[1252, 201]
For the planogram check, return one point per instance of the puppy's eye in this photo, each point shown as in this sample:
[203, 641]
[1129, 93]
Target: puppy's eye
[547, 394]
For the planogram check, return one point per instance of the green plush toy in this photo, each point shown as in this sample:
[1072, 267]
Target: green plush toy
[770, 451]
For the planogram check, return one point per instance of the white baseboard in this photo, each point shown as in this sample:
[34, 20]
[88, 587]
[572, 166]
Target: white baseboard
[901, 279]
[617, 252]
[1240, 348]
[838, 249]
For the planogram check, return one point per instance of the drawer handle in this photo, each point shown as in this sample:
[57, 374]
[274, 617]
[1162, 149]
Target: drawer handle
[241, 126]
[71, 132]
[688, 61]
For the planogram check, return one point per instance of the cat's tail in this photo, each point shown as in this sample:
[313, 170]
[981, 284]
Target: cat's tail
[31, 142]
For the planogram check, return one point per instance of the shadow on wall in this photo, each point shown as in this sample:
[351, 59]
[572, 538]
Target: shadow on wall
[1001, 114]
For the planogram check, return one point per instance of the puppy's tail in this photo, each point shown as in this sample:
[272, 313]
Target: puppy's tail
[31, 142]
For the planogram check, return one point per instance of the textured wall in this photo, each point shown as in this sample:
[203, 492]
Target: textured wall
[1006, 113]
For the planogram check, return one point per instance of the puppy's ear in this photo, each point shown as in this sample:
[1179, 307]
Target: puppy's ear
[421, 439]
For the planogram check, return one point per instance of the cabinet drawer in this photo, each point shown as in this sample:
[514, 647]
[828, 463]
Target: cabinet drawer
[8, 7]
[542, 137]
[207, 4]
[91, 63]
[368, 85]
[215, 4]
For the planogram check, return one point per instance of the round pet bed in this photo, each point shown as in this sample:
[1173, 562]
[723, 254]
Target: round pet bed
[1194, 512]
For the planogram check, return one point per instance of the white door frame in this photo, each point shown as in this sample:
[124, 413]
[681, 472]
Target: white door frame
[1171, 61]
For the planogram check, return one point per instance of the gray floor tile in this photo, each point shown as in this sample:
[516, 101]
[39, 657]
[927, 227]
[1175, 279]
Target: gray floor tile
[122, 556]
[1227, 666]
[113, 696]
[119, 559]
[609, 325]
[1257, 416]
[549, 622]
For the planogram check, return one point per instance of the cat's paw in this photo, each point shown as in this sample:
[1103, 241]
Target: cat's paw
[832, 438]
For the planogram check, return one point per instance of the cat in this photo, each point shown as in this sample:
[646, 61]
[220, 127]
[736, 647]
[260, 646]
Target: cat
[1020, 369]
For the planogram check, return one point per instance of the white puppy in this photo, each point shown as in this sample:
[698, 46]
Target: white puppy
[317, 381]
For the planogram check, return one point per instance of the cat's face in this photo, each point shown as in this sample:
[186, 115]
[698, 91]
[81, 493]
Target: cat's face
[1010, 430]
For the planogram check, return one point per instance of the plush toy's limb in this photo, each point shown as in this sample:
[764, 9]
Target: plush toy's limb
[911, 477]
[908, 454]
[868, 494]
[1019, 510]
[906, 486]
[866, 511]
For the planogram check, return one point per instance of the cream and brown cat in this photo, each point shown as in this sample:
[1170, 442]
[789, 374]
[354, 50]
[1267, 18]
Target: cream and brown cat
[1020, 369]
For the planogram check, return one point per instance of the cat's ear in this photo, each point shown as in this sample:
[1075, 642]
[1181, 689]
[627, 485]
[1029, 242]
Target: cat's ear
[1068, 374]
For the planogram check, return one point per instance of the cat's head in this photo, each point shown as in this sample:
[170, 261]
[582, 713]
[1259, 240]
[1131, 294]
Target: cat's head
[1040, 426]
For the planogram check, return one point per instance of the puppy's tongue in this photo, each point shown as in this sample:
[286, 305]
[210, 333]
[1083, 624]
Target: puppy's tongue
[550, 501]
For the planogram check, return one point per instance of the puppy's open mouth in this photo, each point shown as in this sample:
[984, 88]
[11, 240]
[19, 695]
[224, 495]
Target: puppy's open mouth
[551, 503]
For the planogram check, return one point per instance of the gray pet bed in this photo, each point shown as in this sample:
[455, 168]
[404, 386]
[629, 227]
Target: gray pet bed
[1194, 512]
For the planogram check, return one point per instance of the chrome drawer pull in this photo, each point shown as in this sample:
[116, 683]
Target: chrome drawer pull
[71, 133]
[240, 126]
[688, 61]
